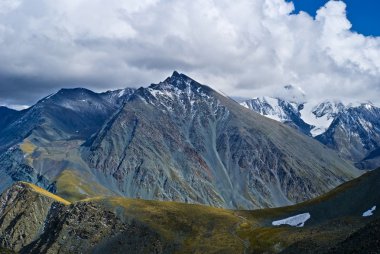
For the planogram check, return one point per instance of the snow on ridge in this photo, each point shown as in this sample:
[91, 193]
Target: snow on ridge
[294, 221]
[121, 93]
[369, 212]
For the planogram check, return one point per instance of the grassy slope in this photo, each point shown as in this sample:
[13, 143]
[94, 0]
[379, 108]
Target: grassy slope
[72, 186]
[197, 228]
[47, 193]
[194, 228]
[203, 229]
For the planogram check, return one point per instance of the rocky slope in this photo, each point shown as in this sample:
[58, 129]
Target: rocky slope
[36, 221]
[179, 140]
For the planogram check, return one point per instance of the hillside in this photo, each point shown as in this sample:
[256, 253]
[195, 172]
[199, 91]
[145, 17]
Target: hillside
[45, 223]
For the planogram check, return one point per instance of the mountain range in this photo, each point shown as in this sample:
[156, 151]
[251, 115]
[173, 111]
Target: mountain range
[351, 129]
[176, 140]
[176, 167]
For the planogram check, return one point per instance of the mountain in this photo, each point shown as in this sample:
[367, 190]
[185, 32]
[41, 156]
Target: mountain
[177, 140]
[118, 97]
[280, 110]
[355, 132]
[7, 116]
[310, 119]
[343, 220]
[352, 130]
[371, 160]
[180, 140]
[67, 114]
[40, 142]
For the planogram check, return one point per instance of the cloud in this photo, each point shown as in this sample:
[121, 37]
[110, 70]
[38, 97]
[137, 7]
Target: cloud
[243, 47]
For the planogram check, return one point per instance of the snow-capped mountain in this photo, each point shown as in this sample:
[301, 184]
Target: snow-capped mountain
[320, 116]
[354, 132]
[279, 110]
[352, 129]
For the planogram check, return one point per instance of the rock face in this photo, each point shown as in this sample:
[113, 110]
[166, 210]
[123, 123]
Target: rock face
[22, 215]
[180, 140]
[36, 221]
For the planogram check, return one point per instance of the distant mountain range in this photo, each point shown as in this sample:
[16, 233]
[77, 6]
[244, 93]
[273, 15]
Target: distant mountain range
[176, 140]
[352, 129]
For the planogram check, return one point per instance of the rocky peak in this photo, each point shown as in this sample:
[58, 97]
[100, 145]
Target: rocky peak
[177, 92]
[328, 108]
[177, 81]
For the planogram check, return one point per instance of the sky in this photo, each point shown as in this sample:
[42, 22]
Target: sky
[363, 15]
[249, 48]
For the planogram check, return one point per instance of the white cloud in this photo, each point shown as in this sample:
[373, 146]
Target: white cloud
[241, 47]
[9, 5]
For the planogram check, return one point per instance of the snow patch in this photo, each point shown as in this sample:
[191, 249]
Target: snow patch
[294, 221]
[321, 123]
[369, 212]
[121, 93]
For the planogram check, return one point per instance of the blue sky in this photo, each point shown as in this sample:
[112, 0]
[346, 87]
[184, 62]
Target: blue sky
[363, 14]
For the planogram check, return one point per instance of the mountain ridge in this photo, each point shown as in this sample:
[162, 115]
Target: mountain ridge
[175, 140]
[351, 129]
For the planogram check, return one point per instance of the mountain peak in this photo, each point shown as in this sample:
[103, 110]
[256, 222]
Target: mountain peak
[176, 74]
[291, 93]
[177, 81]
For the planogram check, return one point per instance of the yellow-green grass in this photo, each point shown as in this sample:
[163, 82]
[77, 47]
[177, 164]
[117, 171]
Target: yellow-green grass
[196, 228]
[74, 186]
[47, 193]
[203, 229]
[27, 147]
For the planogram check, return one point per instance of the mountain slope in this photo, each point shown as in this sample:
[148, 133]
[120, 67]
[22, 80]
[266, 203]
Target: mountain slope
[355, 132]
[179, 140]
[118, 97]
[44, 223]
[68, 114]
[35, 221]
[371, 161]
[8, 116]
[44, 140]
